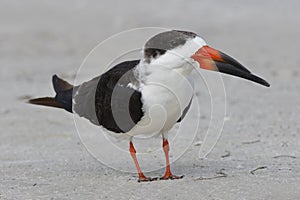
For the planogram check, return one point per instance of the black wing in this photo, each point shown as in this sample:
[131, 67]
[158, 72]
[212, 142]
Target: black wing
[186, 109]
[108, 101]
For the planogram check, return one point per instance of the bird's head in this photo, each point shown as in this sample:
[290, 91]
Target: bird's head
[175, 49]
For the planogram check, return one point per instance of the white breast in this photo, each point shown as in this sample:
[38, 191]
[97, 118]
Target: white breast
[166, 88]
[165, 94]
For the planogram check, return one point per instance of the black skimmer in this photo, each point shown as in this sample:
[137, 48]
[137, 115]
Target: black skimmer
[120, 99]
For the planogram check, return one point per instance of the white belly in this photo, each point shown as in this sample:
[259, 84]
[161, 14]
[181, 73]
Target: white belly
[164, 99]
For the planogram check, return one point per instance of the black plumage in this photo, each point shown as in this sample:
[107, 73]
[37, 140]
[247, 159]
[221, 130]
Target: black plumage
[118, 106]
[160, 43]
[111, 100]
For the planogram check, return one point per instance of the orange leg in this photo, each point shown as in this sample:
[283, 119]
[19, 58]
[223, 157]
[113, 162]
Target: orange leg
[168, 173]
[142, 177]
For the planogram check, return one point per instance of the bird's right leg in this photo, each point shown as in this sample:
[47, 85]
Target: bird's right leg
[142, 177]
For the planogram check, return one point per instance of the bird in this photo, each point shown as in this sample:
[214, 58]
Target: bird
[121, 100]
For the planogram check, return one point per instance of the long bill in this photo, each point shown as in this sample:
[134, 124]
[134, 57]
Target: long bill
[212, 59]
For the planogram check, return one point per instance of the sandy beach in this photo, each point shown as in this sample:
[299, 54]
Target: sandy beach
[257, 155]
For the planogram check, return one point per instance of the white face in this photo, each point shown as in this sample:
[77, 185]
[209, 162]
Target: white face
[181, 55]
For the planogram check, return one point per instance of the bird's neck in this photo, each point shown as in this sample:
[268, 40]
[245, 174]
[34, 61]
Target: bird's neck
[162, 74]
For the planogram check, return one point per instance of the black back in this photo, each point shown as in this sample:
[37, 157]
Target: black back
[118, 107]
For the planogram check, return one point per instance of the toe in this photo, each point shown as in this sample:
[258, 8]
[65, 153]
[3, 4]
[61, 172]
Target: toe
[170, 176]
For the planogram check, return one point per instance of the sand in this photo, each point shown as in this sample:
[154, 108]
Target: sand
[42, 156]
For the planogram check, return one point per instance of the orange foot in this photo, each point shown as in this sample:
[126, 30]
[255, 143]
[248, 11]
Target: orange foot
[170, 176]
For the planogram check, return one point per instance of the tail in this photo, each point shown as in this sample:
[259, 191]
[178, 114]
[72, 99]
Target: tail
[46, 101]
[63, 98]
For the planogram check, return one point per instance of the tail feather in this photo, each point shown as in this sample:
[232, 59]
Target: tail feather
[46, 101]
[60, 85]
[63, 97]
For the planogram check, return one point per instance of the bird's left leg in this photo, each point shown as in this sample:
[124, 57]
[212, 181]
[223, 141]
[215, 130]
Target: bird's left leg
[142, 177]
[168, 173]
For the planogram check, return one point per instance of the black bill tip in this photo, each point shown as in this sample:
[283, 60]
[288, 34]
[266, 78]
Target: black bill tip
[259, 80]
[232, 70]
